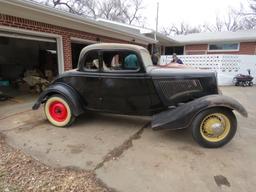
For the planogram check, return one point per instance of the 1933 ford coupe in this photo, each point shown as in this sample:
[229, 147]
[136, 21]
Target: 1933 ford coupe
[121, 79]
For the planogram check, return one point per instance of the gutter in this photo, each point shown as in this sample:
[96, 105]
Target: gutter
[216, 41]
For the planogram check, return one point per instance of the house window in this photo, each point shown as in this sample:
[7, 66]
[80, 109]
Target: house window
[224, 47]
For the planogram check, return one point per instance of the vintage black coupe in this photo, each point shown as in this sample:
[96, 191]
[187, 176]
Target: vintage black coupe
[121, 79]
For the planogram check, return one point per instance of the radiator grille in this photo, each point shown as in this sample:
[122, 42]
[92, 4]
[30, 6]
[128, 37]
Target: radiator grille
[174, 88]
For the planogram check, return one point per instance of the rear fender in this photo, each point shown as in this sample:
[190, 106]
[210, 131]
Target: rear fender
[66, 91]
[182, 116]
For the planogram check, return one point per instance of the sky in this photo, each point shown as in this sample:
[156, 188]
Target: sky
[193, 12]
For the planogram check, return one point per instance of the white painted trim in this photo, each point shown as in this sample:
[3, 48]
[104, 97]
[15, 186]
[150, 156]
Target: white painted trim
[26, 37]
[60, 54]
[27, 32]
[230, 50]
[80, 40]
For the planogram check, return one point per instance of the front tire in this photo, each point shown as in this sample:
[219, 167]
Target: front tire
[58, 112]
[214, 127]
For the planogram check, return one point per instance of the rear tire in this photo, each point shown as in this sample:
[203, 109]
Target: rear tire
[58, 111]
[214, 127]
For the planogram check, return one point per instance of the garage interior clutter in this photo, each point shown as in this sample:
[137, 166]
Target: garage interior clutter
[28, 65]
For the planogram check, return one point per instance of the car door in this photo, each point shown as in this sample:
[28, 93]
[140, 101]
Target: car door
[89, 83]
[124, 89]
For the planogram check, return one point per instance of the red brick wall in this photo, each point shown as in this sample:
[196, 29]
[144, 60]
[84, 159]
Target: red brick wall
[66, 34]
[196, 49]
[67, 52]
[247, 48]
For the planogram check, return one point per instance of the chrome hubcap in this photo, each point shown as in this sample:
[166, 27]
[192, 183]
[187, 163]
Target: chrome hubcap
[217, 129]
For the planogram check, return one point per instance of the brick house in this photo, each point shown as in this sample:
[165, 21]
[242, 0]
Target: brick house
[36, 36]
[240, 42]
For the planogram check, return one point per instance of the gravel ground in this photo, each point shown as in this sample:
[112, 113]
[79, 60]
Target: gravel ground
[19, 172]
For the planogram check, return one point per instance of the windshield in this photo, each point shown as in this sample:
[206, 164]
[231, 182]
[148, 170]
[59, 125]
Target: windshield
[146, 58]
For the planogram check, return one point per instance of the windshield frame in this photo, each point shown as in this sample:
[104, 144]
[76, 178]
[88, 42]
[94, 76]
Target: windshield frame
[147, 61]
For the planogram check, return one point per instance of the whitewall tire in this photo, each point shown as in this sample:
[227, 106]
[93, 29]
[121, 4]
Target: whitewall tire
[58, 112]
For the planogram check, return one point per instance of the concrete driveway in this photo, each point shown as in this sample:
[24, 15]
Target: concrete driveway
[128, 156]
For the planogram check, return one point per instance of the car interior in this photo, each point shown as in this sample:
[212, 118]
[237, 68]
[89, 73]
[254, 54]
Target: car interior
[112, 61]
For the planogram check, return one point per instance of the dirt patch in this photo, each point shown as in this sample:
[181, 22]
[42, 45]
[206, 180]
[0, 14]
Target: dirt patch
[20, 172]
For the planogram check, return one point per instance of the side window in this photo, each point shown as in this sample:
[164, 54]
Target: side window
[91, 61]
[114, 61]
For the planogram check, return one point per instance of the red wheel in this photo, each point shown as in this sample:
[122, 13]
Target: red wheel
[57, 111]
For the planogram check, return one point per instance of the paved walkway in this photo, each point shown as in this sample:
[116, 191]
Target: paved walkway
[129, 156]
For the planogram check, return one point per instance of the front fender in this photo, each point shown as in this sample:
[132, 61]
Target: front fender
[182, 116]
[65, 90]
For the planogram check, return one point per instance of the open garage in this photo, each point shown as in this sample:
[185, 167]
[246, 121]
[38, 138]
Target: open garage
[27, 63]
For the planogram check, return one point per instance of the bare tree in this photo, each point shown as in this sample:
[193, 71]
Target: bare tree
[132, 11]
[252, 7]
[112, 10]
[218, 24]
[182, 29]
[90, 8]
[72, 6]
[125, 11]
[249, 23]
[248, 16]
[232, 22]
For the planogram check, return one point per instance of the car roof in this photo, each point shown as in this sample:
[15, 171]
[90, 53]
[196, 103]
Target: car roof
[111, 46]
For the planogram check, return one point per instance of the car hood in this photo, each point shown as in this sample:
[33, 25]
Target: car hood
[179, 85]
[179, 72]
